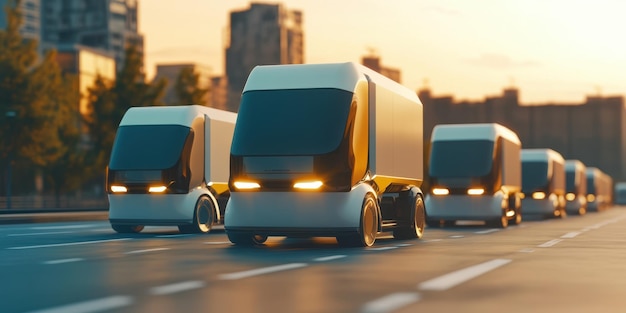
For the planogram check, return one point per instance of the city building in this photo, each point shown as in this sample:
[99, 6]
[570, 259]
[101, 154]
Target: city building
[108, 25]
[593, 132]
[31, 24]
[170, 72]
[373, 62]
[262, 34]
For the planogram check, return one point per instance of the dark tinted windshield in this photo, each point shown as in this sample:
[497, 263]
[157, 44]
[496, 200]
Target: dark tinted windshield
[461, 158]
[291, 122]
[591, 186]
[148, 147]
[534, 176]
[570, 181]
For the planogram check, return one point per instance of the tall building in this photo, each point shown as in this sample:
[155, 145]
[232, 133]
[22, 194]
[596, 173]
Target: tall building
[31, 25]
[107, 25]
[263, 34]
[593, 132]
[171, 72]
[372, 61]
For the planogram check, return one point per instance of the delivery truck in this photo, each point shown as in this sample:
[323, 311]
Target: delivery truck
[599, 190]
[475, 175]
[575, 187]
[543, 183]
[169, 166]
[325, 150]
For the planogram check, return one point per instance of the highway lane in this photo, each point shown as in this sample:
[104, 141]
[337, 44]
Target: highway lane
[555, 265]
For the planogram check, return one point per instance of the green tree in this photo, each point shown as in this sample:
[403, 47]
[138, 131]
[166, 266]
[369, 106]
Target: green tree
[109, 102]
[187, 87]
[29, 98]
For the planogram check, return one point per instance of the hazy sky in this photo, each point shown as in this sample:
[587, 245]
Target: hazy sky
[552, 50]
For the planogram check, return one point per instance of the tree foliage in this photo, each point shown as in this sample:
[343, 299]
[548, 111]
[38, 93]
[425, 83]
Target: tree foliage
[188, 89]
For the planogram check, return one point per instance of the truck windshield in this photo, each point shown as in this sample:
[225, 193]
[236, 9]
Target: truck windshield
[591, 186]
[570, 181]
[148, 147]
[461, 158]
[291, 121]
[534, 176]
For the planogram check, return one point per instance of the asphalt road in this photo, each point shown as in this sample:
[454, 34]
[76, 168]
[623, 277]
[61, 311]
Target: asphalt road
[577, 264]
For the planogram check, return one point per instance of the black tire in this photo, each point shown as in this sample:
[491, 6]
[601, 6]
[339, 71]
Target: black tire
[127, 229]
[246, 239]
[203, 217]
[418, 221]
[517, 219]
[368, 228]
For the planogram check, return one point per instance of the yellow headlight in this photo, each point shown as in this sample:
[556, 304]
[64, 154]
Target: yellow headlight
[475, 191]
[591, 197]
[570, 196]
[157, 189]
[538, 195]
[118, 189]
[440, 191]
[308, 185]
[246, 185]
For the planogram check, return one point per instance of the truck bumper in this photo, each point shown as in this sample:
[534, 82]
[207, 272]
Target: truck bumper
[461, 207]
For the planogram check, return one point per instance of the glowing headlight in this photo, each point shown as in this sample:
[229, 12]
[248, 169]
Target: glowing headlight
[475, 191]
[440, 191]
[570, 196]
[308, 185]
[591, 197]
[118, 189]
[246, 185]
[539, 195]
[157, 189]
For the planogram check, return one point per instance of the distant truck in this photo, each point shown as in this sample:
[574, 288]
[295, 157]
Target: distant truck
[475, 174]
[169, 166]
[325, 150]
[599, 189]
[575, 187]
[620, 193]
[543, 183]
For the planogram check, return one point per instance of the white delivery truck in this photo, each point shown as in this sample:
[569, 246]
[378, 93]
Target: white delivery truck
[328, 150]
[475, 174]
[620, 193]
[169, 166]
[543, 183]
[599, 189]
[575, 187]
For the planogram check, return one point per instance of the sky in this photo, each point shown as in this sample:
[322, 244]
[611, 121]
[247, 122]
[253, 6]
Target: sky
[553, 51]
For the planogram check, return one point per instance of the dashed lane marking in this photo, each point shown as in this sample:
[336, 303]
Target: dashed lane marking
[261, 271]
[42, 233]
[146, 250]
[382, 248]
[390, 303]
[550, 243]
[329, 258]
[487, 231]
[61, 261]
[98, 305]
[67, 244]
[175, 288]
[571, 234]
[450, 280]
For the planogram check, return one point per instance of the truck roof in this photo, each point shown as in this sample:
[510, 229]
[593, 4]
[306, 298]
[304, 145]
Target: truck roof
[173, 115]
[484, 131]
[343, 76]
[541, 155]
[574, 164]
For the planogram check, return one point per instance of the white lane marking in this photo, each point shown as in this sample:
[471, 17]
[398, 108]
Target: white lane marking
[66, 244]
[403, 245]
[382, 248]
[178, 287]
[329, 258]
[98, 305]
[261, 271]
[146, 250]
[60, 227]
[452, 279]
[390, 303]
[456, 236]
[432, 240]
[43, 233]
[550, 243]
[172, 236]
[527, 250]
[61, 261]
[216, 242]
[571, 234]
[487, 231]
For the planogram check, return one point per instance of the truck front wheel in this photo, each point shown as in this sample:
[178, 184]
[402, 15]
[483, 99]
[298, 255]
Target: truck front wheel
[203, 217]
[368, 226]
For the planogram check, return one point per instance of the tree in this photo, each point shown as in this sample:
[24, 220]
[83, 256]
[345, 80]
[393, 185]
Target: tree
[187, 87]
[109, 102]
[30, 97]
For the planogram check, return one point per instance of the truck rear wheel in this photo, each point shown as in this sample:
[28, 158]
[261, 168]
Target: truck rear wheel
[368, 226]
[414, 229]
[203, 217]
[246, 239]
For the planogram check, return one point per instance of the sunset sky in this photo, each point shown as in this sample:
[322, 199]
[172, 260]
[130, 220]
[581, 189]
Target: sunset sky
[552, 50]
